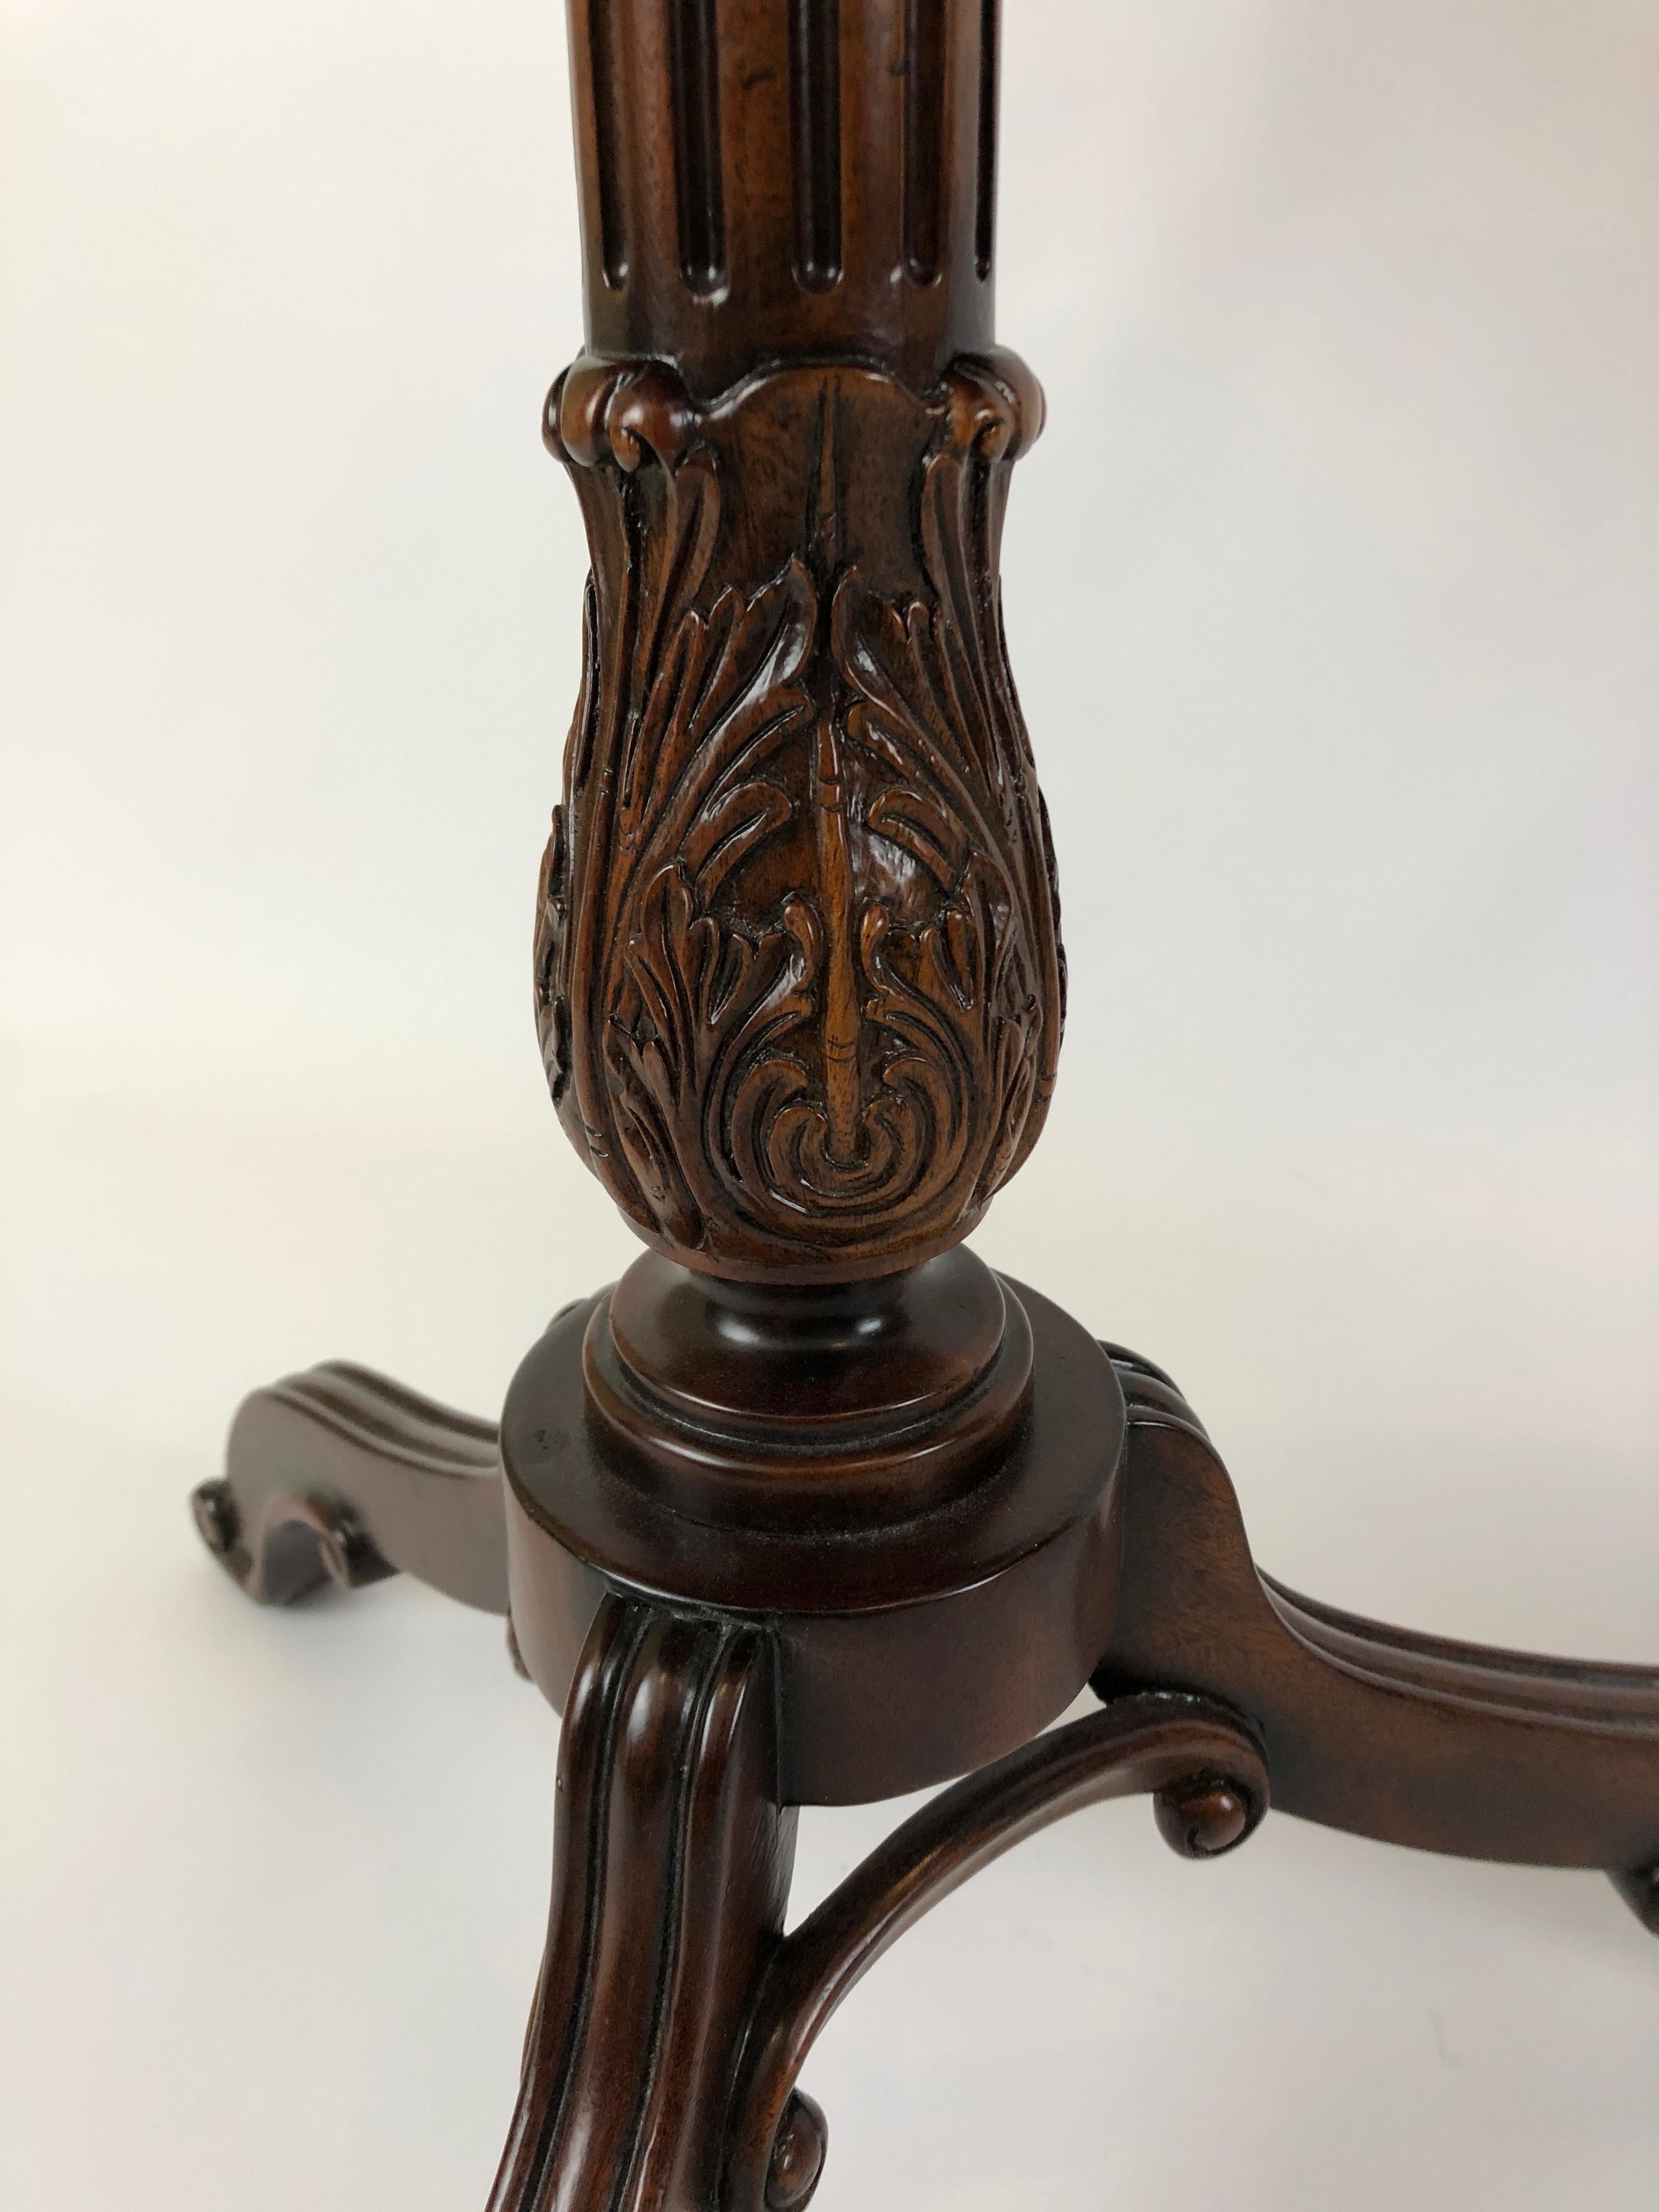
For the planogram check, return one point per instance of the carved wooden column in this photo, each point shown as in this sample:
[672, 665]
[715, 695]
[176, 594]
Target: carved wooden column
[798, 964]
[800, 991]
[798, 972]
[811, 1507]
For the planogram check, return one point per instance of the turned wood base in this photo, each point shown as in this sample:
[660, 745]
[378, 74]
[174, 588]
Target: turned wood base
[713, 1677]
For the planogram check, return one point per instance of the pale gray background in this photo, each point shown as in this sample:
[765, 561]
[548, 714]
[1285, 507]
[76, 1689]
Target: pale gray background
[1332, 591]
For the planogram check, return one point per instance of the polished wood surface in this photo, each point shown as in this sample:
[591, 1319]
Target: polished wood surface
[909, 1648]
[812, 179]
[1385, 1731]
[820, 1404]
[811, 1507]
[798, 965]
[338, 1474]
[1412, 1739]
[671, 1866]
[1201, 1764]
[672, 2014]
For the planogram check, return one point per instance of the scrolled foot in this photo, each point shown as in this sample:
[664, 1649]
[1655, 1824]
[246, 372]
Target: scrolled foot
[300, 1541]
[213, 1508]
[339, 1475]
[799, 2151]
[1202, 1818]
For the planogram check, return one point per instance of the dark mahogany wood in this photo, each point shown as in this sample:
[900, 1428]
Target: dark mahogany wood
[763, 1406]
[1409, 1738]
[811, 1507]
[908, 1649]
[798, 968]
[798, 965]
[672, 2015]
[1203, 1768]
[808, 178]
[1414, 1739]
[671, 1866]
[338, 1474]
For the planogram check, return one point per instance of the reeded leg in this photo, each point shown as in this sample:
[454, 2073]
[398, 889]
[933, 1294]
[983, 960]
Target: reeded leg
[1412, 1739]
[340, 1474]
[672, 2015]
[672, 1867]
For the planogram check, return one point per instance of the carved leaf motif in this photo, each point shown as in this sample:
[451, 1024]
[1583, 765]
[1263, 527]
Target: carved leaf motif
[841, 1050]
[900, 711]
[728, 829]
[682, 991]
[695, 996]
[924, 828]
[725, 696]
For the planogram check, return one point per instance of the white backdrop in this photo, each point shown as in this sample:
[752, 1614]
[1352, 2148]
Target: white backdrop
[1332, 590]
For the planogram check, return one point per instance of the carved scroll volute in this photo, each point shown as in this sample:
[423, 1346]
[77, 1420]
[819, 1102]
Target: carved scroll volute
[797, 972]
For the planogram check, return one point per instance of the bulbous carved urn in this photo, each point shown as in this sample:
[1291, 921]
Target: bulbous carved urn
[799, 978]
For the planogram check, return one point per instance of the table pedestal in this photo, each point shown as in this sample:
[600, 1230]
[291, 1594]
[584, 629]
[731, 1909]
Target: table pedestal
[811, 1508]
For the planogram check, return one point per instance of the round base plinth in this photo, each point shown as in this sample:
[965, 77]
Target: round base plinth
[830, 1406]
[908, 1650]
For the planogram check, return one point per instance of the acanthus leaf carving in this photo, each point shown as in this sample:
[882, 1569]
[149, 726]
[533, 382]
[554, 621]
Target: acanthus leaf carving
[797, 956]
